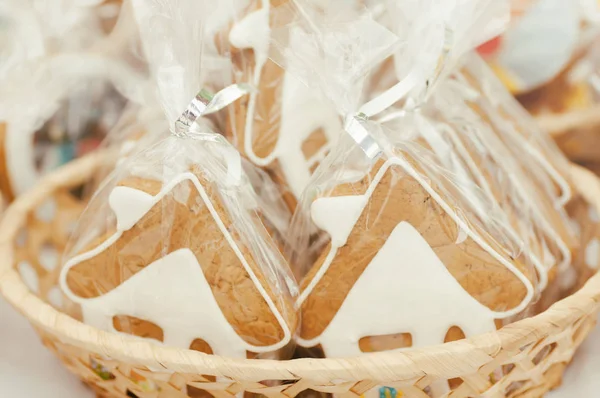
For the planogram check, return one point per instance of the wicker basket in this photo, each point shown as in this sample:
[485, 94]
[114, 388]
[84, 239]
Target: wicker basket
[557, 124]
[531, 354]
[577, 134]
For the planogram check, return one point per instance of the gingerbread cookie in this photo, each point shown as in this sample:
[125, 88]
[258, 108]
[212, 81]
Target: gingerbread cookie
[420, 262]
[548, 189]
[549, 171]
[284, 127]
[178, 265]
[482, 181]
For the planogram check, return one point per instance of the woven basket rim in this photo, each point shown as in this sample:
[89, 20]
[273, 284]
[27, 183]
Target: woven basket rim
[465, 356]
[561, 123]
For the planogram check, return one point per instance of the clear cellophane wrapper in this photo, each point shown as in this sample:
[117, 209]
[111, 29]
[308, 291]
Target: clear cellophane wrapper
[572, 217]
[284, 127]
[173, 248]
[387, 232]
[471, 136]
[403, 234]
[176, 246]
[138, 127]
[58, 103]
[33, 29]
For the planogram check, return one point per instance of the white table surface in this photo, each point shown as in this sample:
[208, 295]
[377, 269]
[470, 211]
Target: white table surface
[28, 370]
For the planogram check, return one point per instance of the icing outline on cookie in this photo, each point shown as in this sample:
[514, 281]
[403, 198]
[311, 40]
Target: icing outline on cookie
[412, 173]
[188, 176]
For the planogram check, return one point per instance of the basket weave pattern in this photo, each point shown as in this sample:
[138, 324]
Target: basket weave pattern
[523, 360]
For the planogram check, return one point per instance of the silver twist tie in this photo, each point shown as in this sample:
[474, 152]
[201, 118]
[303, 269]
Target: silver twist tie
[355, 127]
[205, 103]
[355, 124]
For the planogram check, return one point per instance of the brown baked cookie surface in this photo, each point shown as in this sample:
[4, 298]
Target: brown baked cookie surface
[183, 220]
[400, 198]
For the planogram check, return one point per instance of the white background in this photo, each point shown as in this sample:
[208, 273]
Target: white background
[28, 370]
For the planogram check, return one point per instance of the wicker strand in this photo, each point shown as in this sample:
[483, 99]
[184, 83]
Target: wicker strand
[561, 123]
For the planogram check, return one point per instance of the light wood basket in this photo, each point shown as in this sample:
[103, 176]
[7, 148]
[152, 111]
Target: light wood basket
[558, 124]
[529, 356]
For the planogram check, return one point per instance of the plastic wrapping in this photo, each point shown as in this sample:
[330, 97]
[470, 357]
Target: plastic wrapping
[137, 128]
[387, 231]
[283, 127]
[173, 246]
[59, 102]
[468, 139]
[537, 143]
[407, 207]
[548, 169]
[462, 144]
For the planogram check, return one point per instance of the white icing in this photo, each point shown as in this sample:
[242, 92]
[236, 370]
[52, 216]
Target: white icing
[246, 34]
[129, 205]
[420, 287]
[253, 31]
[325, 212]
[189, 312]
[592, 253]
[549, 259]
[464, 154]
[541, 266]
[565, 189]
[491, 95]
[405, 289]
[302, 111]
[462, 236]
[445, 152]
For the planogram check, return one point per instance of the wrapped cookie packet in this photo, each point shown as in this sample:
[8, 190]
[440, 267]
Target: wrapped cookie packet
[283, 127]
[423, 212]
[388, 228]
[568, 213]
[484, 137]
[175, 246]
